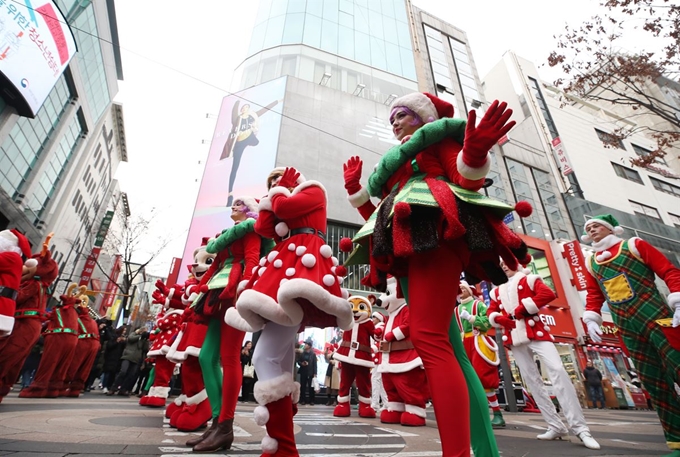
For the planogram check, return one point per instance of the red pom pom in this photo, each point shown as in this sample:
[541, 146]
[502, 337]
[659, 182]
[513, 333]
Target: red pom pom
[524, 209]
[203, 288]
[346, 245]
[402, 210]
[340, 271]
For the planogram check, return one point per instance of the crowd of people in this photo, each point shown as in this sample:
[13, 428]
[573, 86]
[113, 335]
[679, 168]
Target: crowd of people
[273, 274]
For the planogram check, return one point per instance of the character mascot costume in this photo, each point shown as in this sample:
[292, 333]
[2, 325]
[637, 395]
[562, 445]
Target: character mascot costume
[432, 224]
[237, 251]
[86, 351]
[28, 317]
[296, 284]
[515, 307]
[622, 273]
[356, 357]
[61, 339]
[13, 245]
[480, 348]
[402, 371]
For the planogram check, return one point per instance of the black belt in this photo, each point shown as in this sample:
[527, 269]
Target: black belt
[305, 231]
[8, 292]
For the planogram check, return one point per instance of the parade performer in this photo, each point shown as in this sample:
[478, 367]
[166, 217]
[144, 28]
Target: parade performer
[166, 329]
[86, 352]
[237, 250]
[402, 369]
[61, 339]
[296, 284]
[480, 348]
[12, 246]
[378, 395]
[356, 357]
[515, 308]
[30, 312]
[433, 224]
[622, 274]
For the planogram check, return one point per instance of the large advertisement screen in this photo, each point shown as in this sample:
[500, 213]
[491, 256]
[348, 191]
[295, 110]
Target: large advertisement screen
[242, 153]
[36, 45]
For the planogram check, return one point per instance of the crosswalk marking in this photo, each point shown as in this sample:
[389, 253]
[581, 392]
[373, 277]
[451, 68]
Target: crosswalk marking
[397, 432]
[354, 435]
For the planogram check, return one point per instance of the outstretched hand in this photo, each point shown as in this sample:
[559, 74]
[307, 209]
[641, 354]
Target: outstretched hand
[289, 178]
[481, 138]
[352, 174]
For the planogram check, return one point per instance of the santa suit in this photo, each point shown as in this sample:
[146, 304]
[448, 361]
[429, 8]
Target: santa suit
[86, 352]
[11, 266]
[402, 372]
[526, 295]
[29, 315]
[61, 339]
[378, 394]
[293, 286]
[356, 357]
[622, 274]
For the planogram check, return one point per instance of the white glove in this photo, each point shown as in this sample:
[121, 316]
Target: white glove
[594, 331]
[676, 317]
[464, 315]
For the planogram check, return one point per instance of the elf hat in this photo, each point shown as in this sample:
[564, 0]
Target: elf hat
[427, 106]
[472, 290]
[607, 220]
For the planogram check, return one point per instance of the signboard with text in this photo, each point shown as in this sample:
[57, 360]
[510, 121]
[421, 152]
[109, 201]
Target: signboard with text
[572, 252]
[91, 261]
[561, 156]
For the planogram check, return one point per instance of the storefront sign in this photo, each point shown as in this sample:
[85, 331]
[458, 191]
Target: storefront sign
[572, 252]
[91, 262]
[561, 156]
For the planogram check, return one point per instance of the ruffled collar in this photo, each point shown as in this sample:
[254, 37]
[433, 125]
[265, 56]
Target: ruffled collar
[603, 245]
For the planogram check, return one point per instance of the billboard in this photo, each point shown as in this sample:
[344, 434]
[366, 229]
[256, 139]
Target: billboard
[242, 153]
[36, 45]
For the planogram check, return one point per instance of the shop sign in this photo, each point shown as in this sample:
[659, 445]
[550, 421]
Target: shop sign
[571, 251]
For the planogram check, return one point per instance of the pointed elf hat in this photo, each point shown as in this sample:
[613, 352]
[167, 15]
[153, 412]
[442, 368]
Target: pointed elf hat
[607, 220]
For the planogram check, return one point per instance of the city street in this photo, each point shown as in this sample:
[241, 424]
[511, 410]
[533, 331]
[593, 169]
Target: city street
[97, 425]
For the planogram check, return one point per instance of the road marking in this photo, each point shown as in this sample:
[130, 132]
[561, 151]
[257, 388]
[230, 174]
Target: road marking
[302, 447]
[169, 441]
[355, 435]
[398, 432]
[238, 431]
[363, 454]
[625, 442]
[537, 427]
[178, 434]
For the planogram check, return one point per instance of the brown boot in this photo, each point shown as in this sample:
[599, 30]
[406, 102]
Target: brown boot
[221, 438]
[194, 441]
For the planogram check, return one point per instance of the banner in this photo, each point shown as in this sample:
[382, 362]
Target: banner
[572, 252]
[112, 286]
[91, 261]
[561, 156]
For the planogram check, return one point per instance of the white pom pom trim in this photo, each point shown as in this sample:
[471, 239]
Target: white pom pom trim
[290, 272]
[272, 255]
[31, 263]
[291, 247]
[278, 263]
[269, 445]
[532, 323]
[604, 255]
[263, 260]
[261, 415]
[618, 230]
[335, 261]
[504, 338]
[539, 334]
[255, 269]
[308, 260]
[536, 318]
[300, 251]
[283, 281]
[261, 271]
[329, 280]
[333, 269]
[281, 229]
[326, 251]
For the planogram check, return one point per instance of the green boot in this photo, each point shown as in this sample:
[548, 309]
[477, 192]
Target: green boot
[674, 453]
[497, 420]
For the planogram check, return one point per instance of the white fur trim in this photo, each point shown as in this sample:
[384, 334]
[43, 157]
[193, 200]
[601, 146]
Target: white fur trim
[269, 445]
[598, 221]
[490, 344]
[345, 293]
[265, 204]
[256, 308]
[607, 242]
[272, 255]
[418, 411]
[310, 183]
[632, 245]
[592, 316]
[468, 172]
[291, 247]
[618, 230]
[178, 401]
[198, 398]
[586, 238]
[6, 324]
[530, 305]
[519, 333]
[674, 300]
[270, 390]
[418, 103]
[300, 250]
[295, 395]
[276, 190]
[261, 415]
[294, 289]
[233, 318]
[531, 282]
[364, 399]
[31, 263]
[398, 334]
[309, 260]
[329, 280]
[281, 229]
[360, 198]
[395, 406]
[283, 281]
[344, 399]
[326, 251]
[492, 319]
[248, 201]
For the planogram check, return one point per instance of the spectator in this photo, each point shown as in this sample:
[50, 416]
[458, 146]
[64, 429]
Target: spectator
[332, 380]
[307, 372]
[106, 334]
[31, 363]
[135, 347]
[112, 354]
[144, 368]
[594, 382]
[248, 382]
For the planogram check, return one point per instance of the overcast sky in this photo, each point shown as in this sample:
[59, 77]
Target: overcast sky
[178, 60]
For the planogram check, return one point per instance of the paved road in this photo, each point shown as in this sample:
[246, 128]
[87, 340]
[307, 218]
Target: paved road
[101, 426]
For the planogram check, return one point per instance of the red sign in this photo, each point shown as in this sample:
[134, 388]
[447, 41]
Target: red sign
[610, 335]
[559, 320]
[572, 252]
[561, 156]
[111, 286]
[174, 272]
[90, 264]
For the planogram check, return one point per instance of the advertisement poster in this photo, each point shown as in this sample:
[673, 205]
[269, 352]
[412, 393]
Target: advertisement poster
[242, 153]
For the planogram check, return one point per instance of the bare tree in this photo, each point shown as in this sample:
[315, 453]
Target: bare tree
[597, 69]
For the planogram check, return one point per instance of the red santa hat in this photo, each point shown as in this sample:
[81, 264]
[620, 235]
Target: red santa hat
[427, 106]
[16, 242]
[472, 290]
[379, 316]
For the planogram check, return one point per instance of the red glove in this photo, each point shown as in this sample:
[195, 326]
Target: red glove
[377, 332]
[158, 297]
[506, 322]
[289, 178]
[521, 312]
[352, 173]
[480, 139]
[389, 336]
[160, 285]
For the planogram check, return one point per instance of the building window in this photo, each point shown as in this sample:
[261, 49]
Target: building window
[609, 140]
[520, 178]
[627, 173]
[665, 187]
[538, 95]
[466, 76]
[675, 219]
[549, 200]
[644, 210]
[639, 150]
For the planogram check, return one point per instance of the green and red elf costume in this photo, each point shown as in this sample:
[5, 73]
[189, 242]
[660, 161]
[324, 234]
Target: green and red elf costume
[431, 225]
[622, 274]
[480, 348]
[86, 352]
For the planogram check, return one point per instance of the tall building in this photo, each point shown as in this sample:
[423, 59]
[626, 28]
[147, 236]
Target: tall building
[57, 169]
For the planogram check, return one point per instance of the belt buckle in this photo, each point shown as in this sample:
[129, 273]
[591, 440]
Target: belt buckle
[354, 345]
[284, 238]
[385, 346]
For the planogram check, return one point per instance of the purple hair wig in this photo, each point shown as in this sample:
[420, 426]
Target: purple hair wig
[416, 119]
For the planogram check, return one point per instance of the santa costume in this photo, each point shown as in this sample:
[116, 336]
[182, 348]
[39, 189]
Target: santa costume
[515, 308]
[622, 273]
[29, 315]
[480, 348]
[296, 284]
[86, 352]
[402, 370]
[12, 246]
[431, 225]
[356, 356]
[61, 339]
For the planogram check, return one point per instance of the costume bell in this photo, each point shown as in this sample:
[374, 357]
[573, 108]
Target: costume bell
[622, 273]
[355, 355]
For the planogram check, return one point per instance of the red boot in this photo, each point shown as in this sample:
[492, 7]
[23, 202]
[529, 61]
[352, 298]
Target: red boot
[392, 414]
[195, 414]
[156, 397]
[366, 411]
[343, 408]
[412, 420]
[175, 405]
[276, 412]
